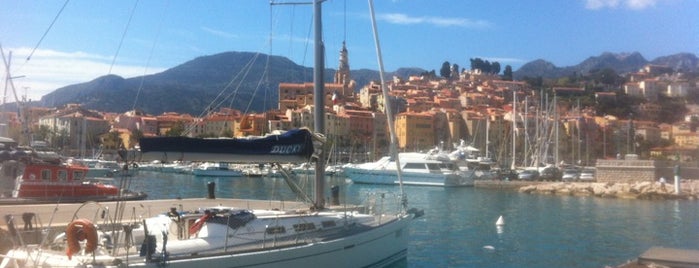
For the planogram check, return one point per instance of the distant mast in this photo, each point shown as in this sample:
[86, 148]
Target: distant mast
[514, 128]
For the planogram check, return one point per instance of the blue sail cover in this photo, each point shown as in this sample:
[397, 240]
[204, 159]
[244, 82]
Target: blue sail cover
[295, 146]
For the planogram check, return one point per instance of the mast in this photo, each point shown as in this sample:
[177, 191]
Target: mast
[555, 120]
[514, 129]
[389, 112]
[526, 154]
[318, 101]
[487, 138]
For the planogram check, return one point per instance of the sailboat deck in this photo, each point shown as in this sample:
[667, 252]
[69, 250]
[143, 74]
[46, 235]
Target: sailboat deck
[133, 210]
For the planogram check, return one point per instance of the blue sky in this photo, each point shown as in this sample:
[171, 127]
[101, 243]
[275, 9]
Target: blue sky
[85, 41]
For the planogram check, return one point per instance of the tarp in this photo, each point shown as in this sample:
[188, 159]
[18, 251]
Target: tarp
[294, 146]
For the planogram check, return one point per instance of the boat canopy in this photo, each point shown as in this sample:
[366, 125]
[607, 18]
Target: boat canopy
[293, 146]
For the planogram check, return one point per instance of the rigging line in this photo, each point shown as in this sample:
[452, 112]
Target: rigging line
[291, 30]
[305, 51]
[234, 93]
[47, 30]
[150, 55]
[216, 102]
[123, 36]
[269, 54]
[259, 84]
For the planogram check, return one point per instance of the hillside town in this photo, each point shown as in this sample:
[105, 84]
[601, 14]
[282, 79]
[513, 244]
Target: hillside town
[567, 121]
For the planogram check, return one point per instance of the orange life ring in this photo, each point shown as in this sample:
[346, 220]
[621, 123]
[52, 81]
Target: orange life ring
[198, 224]
[80, 230]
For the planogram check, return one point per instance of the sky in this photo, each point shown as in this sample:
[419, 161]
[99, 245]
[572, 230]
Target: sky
[55, 43]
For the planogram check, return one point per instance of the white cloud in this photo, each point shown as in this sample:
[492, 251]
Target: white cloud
[399, 18]
[219, 33]
[504, 60]
[48, 70]
[631, 4]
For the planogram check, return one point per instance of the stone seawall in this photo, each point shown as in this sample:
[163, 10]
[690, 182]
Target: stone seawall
[637, 190]
[629, 171]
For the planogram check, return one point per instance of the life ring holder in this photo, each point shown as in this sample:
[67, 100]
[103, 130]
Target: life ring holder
[85, 226]
[80, 230]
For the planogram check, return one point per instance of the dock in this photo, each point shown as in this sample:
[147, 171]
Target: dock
[665, 257]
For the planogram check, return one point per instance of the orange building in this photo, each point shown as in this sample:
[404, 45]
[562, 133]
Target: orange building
[415, 131]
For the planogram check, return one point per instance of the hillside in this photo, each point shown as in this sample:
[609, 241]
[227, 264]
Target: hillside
[235, 79]
[230, 79]
[619, 62]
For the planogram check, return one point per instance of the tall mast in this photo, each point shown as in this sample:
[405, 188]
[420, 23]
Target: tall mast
[318, 100]
[387, 105]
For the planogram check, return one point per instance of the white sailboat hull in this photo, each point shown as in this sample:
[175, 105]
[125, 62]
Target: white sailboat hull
[218, 173]
[358, 175]
[375, 247]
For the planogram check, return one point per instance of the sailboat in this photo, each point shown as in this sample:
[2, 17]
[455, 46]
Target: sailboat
[238, 237]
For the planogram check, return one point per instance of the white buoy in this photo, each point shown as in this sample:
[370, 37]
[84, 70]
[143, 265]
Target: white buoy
[500, 222]
[488, 247]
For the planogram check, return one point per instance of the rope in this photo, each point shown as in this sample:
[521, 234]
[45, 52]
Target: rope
[123, 36]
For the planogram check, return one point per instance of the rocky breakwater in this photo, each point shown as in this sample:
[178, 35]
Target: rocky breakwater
[689, 189]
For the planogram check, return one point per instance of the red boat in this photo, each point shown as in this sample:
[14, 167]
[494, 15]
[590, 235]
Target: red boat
[62, 182]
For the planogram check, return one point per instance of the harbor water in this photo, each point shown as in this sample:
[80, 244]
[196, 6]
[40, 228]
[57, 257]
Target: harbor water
[458, 228]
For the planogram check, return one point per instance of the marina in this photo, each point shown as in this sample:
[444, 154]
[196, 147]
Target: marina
[319, 181]
[458, 228]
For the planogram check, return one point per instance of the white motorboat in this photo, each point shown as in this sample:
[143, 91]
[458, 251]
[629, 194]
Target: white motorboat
[416, 169]
[217, 170]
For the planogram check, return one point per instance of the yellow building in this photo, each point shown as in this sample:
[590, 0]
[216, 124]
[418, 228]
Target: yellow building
[415, 131]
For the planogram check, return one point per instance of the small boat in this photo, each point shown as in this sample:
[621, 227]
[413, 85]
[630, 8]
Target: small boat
[417, 169]
[56, 181]
[220, 169]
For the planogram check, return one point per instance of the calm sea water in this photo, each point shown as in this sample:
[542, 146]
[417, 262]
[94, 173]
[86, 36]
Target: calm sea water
[458, 229]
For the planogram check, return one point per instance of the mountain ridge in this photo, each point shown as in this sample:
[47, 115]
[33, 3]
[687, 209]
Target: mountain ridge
[235, 79]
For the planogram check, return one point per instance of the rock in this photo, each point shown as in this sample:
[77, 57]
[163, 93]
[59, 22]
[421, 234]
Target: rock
[527, 189]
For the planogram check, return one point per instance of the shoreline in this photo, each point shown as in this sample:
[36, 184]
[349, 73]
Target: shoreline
[642, 190]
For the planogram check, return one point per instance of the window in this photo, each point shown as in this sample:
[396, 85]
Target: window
[45, 174]
[78, 175]
[433, 167]
[62, 175]
[275, 230]
[414, 166]
[327, 224]
[301, 227]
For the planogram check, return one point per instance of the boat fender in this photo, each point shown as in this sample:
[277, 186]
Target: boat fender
[81, 230]
[194, 229]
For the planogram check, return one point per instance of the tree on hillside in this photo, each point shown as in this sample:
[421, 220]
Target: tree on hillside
[476, 64]
[621, 106]
[671, 109]
[495, 67]
[176, 130]
[445, 71]
[455, 73]
[485, 66]
[507, 74]
[606, 76]
[429, 74]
